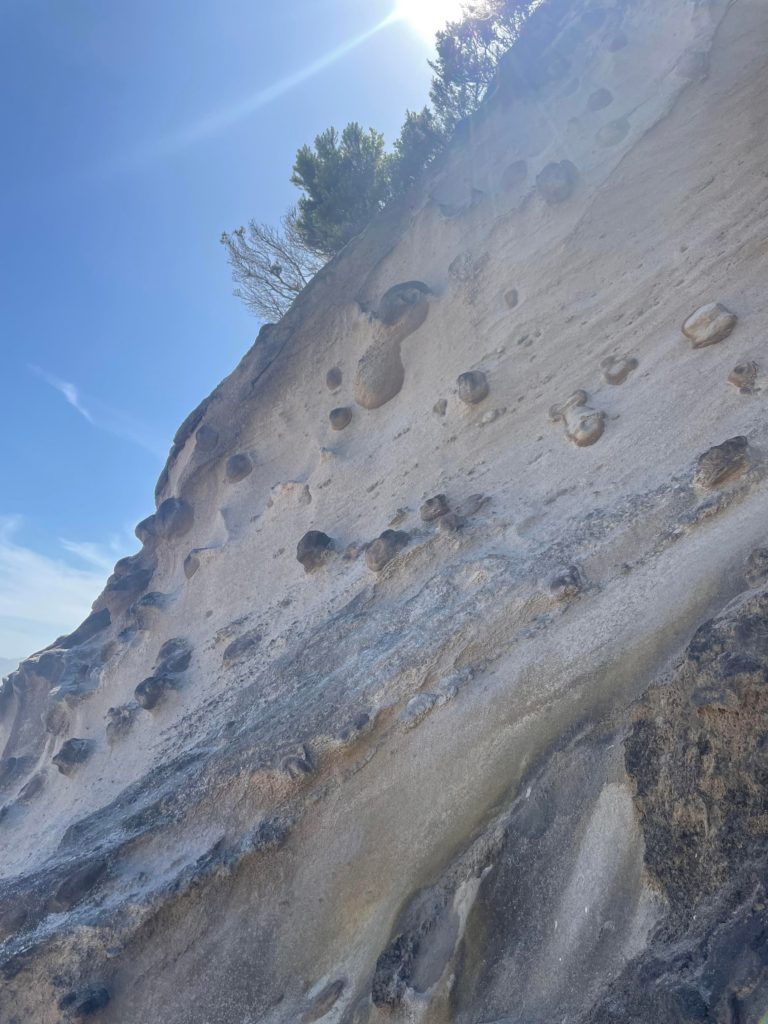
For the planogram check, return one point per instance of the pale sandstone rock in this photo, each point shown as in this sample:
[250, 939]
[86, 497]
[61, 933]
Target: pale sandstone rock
[709, 325]
[583, 425]
[579, 832]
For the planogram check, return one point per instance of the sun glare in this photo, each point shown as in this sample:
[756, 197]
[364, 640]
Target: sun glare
[427, 16]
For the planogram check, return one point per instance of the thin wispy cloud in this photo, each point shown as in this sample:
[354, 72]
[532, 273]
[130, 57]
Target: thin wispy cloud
[219, 120]
[100, 556]
[102, 416]
[66, 388]
[42, 597]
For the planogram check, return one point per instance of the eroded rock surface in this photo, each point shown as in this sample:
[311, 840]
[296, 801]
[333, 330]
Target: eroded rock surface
[509, 766]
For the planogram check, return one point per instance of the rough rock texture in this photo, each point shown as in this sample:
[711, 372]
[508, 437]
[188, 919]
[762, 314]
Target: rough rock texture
[510, 773]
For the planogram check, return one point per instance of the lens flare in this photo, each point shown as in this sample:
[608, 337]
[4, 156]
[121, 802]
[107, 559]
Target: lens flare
[427, 16]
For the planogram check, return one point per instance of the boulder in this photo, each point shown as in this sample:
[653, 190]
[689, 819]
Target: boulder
[472, 387]
[381, 551]
[433, 508]
[583, 425]
[73, 753]
[314, 549]
[721, 463]
[709, 325]
[174, 656]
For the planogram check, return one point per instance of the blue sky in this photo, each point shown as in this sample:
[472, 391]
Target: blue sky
[134, 132]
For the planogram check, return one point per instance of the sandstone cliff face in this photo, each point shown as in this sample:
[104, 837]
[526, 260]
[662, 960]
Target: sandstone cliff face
[437, 691]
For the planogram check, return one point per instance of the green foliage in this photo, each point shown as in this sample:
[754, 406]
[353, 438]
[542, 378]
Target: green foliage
[345, 179]
[421, 138]
[468, 53]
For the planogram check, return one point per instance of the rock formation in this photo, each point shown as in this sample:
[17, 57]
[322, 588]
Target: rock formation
[508, 772]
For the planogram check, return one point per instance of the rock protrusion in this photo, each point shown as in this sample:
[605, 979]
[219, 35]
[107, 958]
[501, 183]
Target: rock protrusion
[381, 551]
[174, 656]
[314, 549]
[243, 645]
[380, 372]
[721, 463]
[616, 369]
[380, 375]
[744, 376]
[120, 720]
[405, 300]
[567, 584]
[146, 530]
[238, 467]
[472, 387]
[393, 971]
[556, 182]
[709, 325]
[417, 708]
[152, 691]
[173, 518]
[95, 623]
[583, 425]
[333, 378]
[433, 508]
[340, 418]
[74, 752]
